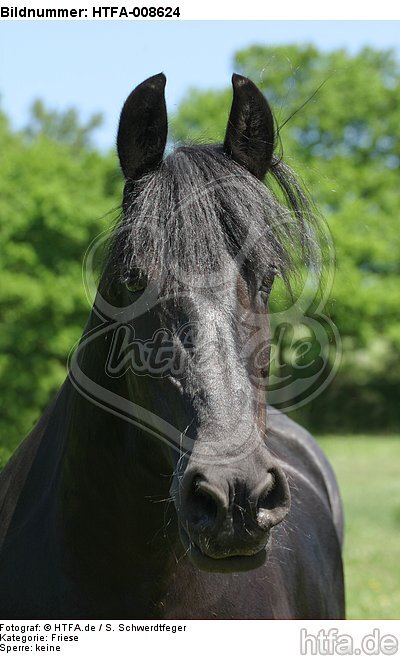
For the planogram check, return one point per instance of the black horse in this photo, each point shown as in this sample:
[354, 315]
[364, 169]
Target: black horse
[157, 484]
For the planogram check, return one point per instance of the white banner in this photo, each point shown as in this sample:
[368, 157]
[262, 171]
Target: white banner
[80, 638]
[134, 10]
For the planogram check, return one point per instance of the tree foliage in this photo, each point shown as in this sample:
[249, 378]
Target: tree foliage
[62, 127]
[55, 196]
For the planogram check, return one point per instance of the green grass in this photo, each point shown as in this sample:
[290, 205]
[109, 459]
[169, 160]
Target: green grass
[368, 471]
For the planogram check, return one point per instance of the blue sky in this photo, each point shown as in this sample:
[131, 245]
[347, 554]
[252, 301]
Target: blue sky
[93, 65]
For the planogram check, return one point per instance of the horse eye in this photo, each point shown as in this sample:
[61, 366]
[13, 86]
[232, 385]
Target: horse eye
[137, 282]
[265, 289]
[268, 281]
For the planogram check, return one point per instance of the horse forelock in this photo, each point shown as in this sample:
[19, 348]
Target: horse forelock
[199, 208]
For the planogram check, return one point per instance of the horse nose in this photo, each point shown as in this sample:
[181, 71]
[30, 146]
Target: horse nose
[215, 503]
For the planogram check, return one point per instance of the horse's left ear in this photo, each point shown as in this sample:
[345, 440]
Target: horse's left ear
[249, 138]
[143, 127]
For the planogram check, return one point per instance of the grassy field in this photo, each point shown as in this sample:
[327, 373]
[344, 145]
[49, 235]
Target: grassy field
[368, 471]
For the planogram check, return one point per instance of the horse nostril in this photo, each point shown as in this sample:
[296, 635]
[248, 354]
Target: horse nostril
[203, 506]
[274, 500]
[270, 495]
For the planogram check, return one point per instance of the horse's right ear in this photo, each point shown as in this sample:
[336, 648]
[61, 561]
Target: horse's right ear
[143, 127]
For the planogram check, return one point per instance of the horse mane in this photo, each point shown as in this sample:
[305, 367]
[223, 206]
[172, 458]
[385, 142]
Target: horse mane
[198, 205]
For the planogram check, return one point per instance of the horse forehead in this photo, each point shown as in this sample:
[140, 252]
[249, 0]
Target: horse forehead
[227, 286]
[216, 304]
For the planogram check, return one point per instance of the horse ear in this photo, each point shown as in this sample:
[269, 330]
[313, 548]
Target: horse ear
[249, 138]
[143, 127]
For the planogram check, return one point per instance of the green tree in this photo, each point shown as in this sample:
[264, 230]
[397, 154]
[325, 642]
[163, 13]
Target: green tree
[55, 197]
[62, 127]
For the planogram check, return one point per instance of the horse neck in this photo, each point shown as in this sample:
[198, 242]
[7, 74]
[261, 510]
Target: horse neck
[113, 481]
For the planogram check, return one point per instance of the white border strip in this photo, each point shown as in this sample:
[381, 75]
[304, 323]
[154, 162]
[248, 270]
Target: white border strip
[137, 10]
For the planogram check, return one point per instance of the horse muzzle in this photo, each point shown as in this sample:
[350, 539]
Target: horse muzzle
[226, 518]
